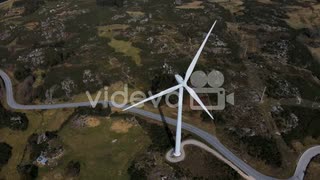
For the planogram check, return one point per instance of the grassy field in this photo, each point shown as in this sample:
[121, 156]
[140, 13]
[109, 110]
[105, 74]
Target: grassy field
[99, 156]
[18, 141]
[120, 46]
[126, 48]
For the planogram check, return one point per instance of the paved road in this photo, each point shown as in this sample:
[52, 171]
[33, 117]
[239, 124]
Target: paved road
[173, 159]
[210, 139]
[304, 160]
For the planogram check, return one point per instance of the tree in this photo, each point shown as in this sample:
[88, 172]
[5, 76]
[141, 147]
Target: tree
[118, 3]
[73, 169]
[264, 148]
[32, 6]
[21, 73]
[13, 120]
[99, 110]
[28, 171]
[5, 153]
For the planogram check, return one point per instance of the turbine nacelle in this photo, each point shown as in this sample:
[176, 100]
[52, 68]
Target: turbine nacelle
[182, 85]
[179, 79]
[182, 82]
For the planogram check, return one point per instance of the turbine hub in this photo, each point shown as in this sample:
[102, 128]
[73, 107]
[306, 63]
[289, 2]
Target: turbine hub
[179, 79]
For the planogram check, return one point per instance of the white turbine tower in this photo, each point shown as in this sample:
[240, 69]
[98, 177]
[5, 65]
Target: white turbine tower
[182, 83]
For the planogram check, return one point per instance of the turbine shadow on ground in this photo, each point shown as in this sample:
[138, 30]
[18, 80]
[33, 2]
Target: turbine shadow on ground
[166, 127]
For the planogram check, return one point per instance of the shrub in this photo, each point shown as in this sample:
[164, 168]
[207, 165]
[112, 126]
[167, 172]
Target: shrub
[5, 154]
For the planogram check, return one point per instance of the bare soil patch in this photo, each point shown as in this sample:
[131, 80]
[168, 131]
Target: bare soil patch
[92, 122]
[120, 126]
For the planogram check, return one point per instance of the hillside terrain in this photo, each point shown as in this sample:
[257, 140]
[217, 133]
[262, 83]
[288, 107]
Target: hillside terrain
[56, 50]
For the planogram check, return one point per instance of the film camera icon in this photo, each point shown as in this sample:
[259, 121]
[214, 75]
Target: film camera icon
[215, 79]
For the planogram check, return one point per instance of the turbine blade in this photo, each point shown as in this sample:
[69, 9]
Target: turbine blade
[196, 57]
[196, 97]
[155, 96]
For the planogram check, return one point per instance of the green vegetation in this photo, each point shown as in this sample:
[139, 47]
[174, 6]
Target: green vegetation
[137, 173]
[4, 53]
[32, 6]
[75, 75]
[309, 89]
[21, 73]
[5, 153]
[99, 110]
[264, 149]
[13, 120]
[203, 165]
[222, 171]
[28, 171]
[36, 148]
[118, 3]
[129, 44]
[126, 48]
[18, 140]
[198, 164]
[300, 56]
[260, 147]
[159, 136]
[73, 169]
[97, 154]
[308, 124]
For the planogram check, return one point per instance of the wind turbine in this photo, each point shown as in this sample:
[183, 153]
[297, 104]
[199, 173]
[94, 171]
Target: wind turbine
[182, 84]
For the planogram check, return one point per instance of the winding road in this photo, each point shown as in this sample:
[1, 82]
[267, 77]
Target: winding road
[173, 159]
[209, 138]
